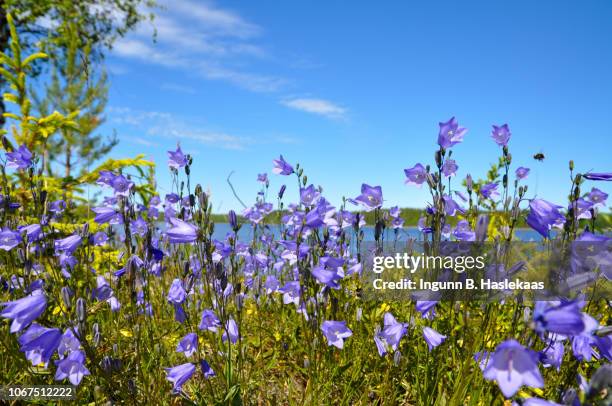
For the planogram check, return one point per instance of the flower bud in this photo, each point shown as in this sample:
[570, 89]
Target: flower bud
[96, 335]
[81, 310]
[116, 364]
[233, 220]
[6, 144]
[397, 357]
[571, 165]
[66, 297]
[281, 192]
[601, 380]
[430, 181]
[438, 158]
[107, 364]
[526, 314]
[577, 179]
[482, 225]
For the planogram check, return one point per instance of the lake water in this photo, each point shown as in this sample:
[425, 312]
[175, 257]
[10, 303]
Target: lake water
[246, 233]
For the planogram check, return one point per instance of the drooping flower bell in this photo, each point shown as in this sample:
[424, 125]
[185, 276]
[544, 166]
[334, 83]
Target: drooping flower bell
[501, 134]
[512, 366]
[281, 167]
[450, 133]
[335, 332]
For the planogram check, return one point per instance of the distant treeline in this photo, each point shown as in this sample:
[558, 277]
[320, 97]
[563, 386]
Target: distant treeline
[411, 217]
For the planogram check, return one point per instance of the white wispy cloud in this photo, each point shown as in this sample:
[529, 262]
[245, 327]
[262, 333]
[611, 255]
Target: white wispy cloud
[167, 125]
[175, 87]
[141, 141]
[223, 22]
[204, 40]
[316, 106]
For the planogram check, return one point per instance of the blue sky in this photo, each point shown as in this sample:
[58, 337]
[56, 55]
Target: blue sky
[354, 91]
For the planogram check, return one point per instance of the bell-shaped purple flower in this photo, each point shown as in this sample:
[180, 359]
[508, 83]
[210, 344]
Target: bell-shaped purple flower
[25, 310]
[206, 369]
[180, 374]
[564, 318]
[105, 214]
[177, 293]
[57, 206]
[139, 227]
[451, 207]
[121, 185]
[432, 337]
[597, 197]
[607, 176]
[188, 344]
[272, 284]
[72, 367]
[20, 158]
[393, 331]
[309, 195]
[427, 308]
[582, 208]
[262, 178]
[489, 190]
[371, 197]
[9, 239]
[68, 244]
[501, 135]
[100, 238]
[39, 343]
[209, 321]
[176, 159]
[335, 332]
[328, 277]
[544, 215]
[181, 231]
[416, 175]
[450, 133]
[521, 172]
[32, 231]
[381, 345]
[397, 222]
[552, 355]
[291, 292]
[68, 343]
[281, 167]
[513, 366]
[449, 168]
[231, 331]
[463, 231]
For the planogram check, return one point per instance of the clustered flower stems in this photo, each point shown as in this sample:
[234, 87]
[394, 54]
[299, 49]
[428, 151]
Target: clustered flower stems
[230, 278]
[151, 300]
